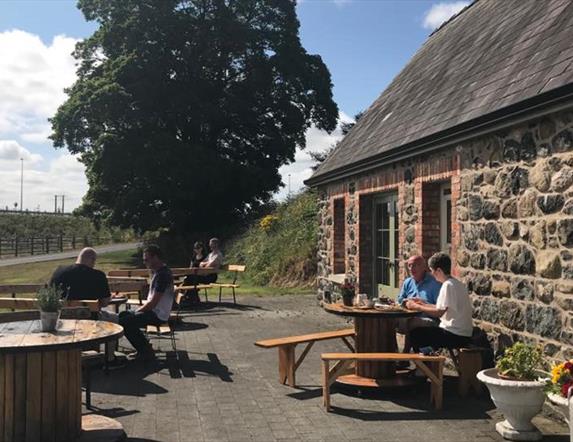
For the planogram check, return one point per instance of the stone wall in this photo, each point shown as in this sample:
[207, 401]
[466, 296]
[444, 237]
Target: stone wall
[516, 218]
[512, 206]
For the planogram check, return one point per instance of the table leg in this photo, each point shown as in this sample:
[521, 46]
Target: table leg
[41, 389]
[375, 335]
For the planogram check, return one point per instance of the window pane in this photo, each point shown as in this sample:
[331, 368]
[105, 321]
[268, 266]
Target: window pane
[385, 216]
[385, 275]
[449, 221]
[385, 243]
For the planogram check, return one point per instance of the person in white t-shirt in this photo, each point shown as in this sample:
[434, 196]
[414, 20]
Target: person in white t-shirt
[214, 261]
[453, 308]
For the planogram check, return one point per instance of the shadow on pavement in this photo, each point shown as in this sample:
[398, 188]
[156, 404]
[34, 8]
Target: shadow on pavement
[181, 366]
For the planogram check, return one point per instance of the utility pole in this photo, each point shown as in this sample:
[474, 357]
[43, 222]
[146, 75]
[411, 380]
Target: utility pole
[55, 203]
[289, 184]
[63, 196]
[22, 185]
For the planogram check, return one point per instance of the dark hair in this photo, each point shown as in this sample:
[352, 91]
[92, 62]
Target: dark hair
[441, 261]
[153, 250]
[199, 244]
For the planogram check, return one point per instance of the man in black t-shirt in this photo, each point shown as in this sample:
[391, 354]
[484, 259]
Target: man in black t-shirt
[81, 281]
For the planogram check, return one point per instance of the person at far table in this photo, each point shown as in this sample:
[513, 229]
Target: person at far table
[199, 254]
[81, 281]
[453, 308]
[213, 261]
[419, 285]
[155, 310]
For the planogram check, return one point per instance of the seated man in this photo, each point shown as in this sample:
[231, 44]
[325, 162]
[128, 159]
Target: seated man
[453, 308]
[81, 281]
[155, 310]
[420, 285]
[213, 261]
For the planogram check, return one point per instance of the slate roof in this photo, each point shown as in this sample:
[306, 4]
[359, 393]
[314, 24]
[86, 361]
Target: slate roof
[493, 54]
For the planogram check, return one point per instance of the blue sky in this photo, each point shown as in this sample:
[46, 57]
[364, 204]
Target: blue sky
[364, 43]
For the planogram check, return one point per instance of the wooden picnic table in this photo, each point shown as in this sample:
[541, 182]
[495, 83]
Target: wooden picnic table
[178, 271]
[40, 380]
[375, 331]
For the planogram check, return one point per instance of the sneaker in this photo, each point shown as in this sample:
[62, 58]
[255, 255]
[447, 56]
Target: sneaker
[427, 351]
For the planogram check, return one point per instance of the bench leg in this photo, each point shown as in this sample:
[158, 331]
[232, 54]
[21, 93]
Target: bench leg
[287, 365]
[470, 363]
[326, 385]
[437, 389]
[234, 298]
[220, 293]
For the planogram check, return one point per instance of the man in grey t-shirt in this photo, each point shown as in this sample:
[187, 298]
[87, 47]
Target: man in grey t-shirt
[155, 310]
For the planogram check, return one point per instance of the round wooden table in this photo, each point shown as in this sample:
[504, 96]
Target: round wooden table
[375, 333]
[40, 380]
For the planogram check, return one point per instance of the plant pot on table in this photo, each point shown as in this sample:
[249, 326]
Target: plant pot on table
[347, 298]
[49, 320]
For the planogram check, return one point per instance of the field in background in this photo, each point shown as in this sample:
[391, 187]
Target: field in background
[41, 272]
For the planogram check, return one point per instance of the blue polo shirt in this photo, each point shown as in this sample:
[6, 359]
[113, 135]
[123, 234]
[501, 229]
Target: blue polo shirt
[428, 289]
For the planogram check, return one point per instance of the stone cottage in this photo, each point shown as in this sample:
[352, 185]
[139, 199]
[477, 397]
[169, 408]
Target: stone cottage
[469, 151]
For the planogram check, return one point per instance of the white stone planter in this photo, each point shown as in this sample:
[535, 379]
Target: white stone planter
[519, 401]
[49, 320]
[565, 407]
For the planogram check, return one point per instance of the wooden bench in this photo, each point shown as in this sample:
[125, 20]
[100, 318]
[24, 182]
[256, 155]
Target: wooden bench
[236, 269]
[183, 288]
[287, 361]
[32, 304]
[134, 290]
[431, 366]
[467, 362]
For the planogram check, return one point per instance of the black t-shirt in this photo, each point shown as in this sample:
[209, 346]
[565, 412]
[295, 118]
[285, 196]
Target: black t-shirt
[162, 280]
[81, 282]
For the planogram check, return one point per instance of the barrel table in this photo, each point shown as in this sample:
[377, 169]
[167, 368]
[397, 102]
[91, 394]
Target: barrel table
[375, 333]
[40, 381]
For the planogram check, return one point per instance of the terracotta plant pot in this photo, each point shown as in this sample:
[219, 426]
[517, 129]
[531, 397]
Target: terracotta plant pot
[519, 401]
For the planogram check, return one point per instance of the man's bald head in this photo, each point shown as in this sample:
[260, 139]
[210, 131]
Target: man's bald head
[417, 267]
[87, 257]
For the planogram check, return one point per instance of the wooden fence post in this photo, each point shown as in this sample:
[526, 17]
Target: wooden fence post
[32, 246]
[47, 245]
[16, 247]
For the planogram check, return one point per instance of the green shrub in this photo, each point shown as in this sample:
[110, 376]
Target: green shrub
[280, 248]
[521, 362]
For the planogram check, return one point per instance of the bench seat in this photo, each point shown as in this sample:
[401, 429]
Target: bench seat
[431, 366]
[288, 364]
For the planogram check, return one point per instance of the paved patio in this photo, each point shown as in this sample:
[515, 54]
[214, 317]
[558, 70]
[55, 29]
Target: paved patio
[221, 387]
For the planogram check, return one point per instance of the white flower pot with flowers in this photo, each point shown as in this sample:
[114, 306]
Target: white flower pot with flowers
[516, 387]
[560, 390]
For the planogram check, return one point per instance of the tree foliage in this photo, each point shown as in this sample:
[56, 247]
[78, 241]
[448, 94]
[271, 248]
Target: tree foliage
[184, 110]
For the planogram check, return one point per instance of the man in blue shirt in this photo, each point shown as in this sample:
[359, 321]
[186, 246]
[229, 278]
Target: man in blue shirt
[421, 284]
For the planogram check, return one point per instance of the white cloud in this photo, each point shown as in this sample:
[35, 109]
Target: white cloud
[440, 12]
[65, 175]
[33, 76]
[11, 152]
[301, 169]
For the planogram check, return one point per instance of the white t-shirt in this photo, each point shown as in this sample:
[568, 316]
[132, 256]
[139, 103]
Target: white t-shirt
[455, 299]
[162, 282]
[215, 260]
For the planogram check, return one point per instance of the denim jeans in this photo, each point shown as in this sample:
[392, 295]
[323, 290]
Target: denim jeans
[132, 322]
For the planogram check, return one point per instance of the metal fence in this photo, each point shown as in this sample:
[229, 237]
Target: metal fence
[35, 245]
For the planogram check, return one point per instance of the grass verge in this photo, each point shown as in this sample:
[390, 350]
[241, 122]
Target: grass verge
[40, 272]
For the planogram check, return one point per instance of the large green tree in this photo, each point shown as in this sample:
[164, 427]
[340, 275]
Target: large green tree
[183, 111]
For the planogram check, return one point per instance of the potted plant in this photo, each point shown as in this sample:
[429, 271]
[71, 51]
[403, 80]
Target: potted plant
[516, 387]
[50, 304]
[560, 389]
[347, 293]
